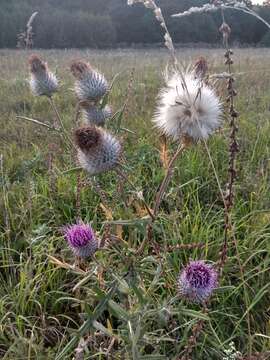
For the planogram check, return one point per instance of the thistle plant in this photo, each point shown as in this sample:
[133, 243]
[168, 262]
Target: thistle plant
[93, 115]
[98, 150]
[81, 239]
[188, 110]
[197, 281]
[193, 112]
[42, 81]
[90, 87]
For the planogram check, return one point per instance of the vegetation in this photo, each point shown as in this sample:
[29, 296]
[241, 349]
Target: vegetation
[130, 301]
[103, 23]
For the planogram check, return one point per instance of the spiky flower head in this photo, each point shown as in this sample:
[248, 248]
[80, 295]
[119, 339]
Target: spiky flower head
[42, 80]
[81, 239]
[200, 68]
[92, 115]
[98, 150]
[187, 108]
[90, 84]
[197, 281]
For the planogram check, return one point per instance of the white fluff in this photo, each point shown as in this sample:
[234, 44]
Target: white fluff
[194, 111]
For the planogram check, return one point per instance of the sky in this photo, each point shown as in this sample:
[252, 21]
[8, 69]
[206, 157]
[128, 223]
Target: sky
[257, 1]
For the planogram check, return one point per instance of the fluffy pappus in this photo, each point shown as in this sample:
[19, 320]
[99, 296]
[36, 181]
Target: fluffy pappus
[187, 110]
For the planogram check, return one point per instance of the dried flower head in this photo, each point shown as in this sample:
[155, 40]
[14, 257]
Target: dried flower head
[200, 68]
[226, 31]
[95, 116]
[42, 80]
[98, 151]
[187, 110]
[197, 281]
[90, 84]
[81, 239]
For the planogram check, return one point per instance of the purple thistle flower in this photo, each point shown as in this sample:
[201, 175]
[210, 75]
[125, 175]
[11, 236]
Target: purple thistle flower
[197, 281]
[81, 239]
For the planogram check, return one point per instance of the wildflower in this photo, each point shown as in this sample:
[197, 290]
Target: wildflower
[81, 239]
[197, 281]
[187, 109]
[90, 84]
[95, 116]
[98, 150]
[42, 81]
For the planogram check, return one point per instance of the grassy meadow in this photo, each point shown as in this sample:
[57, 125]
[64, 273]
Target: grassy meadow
[121, 305]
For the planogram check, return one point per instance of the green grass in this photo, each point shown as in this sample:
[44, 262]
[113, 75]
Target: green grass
[131, 299]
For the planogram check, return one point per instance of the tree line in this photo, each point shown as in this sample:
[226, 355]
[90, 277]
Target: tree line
[111, 23]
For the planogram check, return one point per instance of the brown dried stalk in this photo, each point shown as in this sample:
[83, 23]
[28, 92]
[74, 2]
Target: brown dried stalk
[233, 147]
[161, 193]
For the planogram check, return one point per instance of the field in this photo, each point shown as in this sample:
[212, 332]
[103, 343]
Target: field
[121, 305]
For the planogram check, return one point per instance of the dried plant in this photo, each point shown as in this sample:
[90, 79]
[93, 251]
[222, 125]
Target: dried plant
[25, 38]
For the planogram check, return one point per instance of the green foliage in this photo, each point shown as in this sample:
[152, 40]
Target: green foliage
[46, 308]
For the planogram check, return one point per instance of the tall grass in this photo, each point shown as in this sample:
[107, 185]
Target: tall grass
[125, 306]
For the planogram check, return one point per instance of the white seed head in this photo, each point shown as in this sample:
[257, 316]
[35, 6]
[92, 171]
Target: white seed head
[95, 116]
[98, 150]
[90, 84]
[192, 110]
[42, 80]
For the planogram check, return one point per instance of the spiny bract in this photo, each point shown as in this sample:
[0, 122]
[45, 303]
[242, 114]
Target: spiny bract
[95, 116]
[98, 150]
[81, 239]
[42, 80]
[90, 84]
[197, 281]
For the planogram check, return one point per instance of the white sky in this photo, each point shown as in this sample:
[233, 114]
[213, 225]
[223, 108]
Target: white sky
[257, 1]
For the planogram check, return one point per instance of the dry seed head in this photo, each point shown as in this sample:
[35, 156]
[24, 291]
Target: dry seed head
[201, 67]
[42, 80]
[98, 150]
[90, 84]
[95, 116]
[87, 138]
[79, 68]
[226, 31]
[36, 64]
[192, 111]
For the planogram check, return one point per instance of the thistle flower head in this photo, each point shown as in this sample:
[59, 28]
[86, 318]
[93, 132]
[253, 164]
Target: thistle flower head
[95, 116]
[189, 109]
[197, 281]
[90, 84]
[42, 80]
[98, 151]
[200, 68]
[81, 239]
